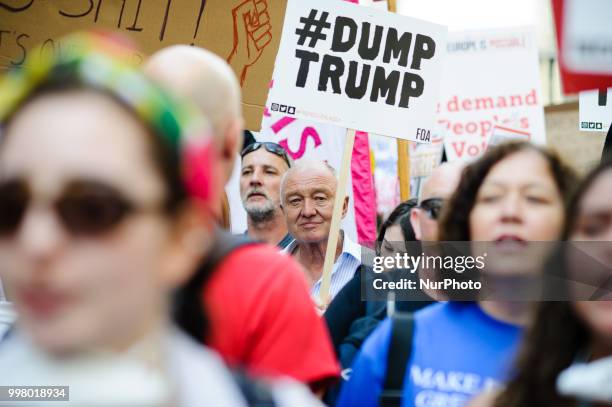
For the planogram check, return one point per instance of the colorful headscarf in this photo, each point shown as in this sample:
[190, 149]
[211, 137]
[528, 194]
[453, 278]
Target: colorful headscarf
[99, 61]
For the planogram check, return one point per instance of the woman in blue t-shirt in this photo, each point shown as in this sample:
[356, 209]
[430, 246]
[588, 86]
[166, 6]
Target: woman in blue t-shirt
[514, 194]
[566, 358]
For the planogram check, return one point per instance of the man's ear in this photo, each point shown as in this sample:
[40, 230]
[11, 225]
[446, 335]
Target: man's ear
[345, 206]
[191, 238]
[230, 146]
[415, 222]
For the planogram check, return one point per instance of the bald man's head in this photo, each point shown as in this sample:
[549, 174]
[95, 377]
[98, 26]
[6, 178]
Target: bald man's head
[209, 82]
[442, 181]
[437, 189]
[307, 168]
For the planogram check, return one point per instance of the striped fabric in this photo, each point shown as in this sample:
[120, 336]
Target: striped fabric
[344, 267]
[7, 314]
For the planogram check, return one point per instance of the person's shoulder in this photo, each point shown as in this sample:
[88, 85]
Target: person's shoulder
[201, 374]
[258, 254]
[379, 338]
[486, 399]
[257, 272]
[13, 352]
[259, 261]
[285, 242]
[432, 312]
[289, 393]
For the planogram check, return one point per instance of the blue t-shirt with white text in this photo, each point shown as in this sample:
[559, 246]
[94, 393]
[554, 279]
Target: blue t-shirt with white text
[458, 352]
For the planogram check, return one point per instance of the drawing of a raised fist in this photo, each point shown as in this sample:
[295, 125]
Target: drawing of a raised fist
[252, 33]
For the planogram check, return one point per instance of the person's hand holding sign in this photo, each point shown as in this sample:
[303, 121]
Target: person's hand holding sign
[252, 33]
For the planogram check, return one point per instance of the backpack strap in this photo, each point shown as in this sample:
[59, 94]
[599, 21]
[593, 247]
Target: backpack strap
[257, 393]
[188, 309]
[400, 349]
[225, 243]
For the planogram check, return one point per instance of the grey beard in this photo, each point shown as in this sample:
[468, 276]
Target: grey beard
[259, 215]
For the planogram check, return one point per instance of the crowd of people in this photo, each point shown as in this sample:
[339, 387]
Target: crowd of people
[120, 279]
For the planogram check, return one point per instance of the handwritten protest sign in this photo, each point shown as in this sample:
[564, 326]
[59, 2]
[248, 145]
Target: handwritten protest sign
[246, 33]
[595, 110]
[491, 79]
[358, 68]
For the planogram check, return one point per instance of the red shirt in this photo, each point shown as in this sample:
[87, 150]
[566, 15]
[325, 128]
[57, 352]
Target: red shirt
[261, 317]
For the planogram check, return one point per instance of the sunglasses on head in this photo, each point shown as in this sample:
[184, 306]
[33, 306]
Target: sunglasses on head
[432, 206]
[270, 147]
[85, 208]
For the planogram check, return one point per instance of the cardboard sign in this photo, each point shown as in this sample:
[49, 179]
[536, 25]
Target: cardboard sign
[246, 33]
[491, 79]
[358, 68]
[595, 110]
[584, 40]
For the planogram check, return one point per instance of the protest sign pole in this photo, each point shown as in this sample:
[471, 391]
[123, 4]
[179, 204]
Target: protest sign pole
[403, 168]
[332, 240]
[403, 153]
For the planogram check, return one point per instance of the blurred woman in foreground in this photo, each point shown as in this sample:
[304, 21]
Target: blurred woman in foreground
[566, 358]
[106, 184]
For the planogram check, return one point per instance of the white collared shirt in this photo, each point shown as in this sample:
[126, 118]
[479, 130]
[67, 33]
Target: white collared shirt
[344, 268]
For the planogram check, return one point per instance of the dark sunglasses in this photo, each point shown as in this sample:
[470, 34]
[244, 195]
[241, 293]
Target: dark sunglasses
[433, 207]
[85, 208]
[270, 147]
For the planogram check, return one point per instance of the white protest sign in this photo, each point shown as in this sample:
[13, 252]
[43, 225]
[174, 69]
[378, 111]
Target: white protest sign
[502, 134]
[358, 68]
[595, 110]
[424, 158]
[587, 41]
[491, 78]
[386, 182]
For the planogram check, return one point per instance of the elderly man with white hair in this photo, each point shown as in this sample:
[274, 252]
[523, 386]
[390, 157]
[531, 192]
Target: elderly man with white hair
[308, 192]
